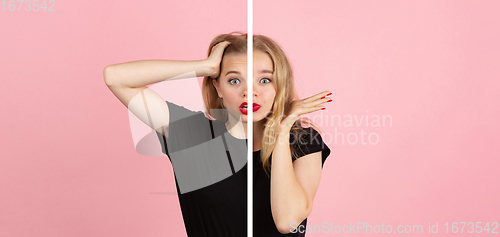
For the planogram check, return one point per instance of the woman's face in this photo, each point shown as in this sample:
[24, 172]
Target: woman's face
[232, 85]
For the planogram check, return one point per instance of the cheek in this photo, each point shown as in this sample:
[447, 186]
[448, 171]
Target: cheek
[233, 98]
[270, 97]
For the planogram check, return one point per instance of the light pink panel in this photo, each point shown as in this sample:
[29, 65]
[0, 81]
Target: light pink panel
[68, 163]
[433, 69]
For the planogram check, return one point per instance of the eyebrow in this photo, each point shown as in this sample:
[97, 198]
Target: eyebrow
[235, 72]
[261, 71]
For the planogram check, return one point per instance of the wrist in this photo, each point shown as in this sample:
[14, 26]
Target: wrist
[202, 68]
[283, 137]
[284, 131]
[208, 68]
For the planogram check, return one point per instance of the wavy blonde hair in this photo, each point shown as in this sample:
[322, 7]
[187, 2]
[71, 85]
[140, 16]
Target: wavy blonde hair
[285, 92]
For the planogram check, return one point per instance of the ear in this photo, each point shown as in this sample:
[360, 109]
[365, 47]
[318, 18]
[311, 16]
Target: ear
[216, 85]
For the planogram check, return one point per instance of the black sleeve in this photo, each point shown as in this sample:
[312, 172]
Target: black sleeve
[186, 128]
[308, 142]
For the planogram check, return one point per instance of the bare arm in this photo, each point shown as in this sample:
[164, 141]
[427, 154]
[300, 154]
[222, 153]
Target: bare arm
[294, 184]
[146, 72]
[128, 82]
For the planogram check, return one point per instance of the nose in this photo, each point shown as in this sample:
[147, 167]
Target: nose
[255, 91]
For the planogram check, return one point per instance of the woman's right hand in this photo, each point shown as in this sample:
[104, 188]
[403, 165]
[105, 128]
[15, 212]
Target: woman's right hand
[215, 58]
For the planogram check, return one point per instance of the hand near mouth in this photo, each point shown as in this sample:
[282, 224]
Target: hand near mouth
[305, 106]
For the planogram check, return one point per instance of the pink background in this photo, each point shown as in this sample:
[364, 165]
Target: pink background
[434, 66]
[69, 167]
[68, 162]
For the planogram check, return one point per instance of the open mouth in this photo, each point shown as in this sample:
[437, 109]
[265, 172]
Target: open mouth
[244, 107]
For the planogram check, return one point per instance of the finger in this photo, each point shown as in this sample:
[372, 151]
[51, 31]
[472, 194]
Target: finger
[317, 96]
[317, 101]
[219, 48]
[222, 44]
[307, 109]
[312, 109]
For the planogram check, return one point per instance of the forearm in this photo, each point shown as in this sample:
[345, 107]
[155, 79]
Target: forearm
[145, 72]
[288, 199]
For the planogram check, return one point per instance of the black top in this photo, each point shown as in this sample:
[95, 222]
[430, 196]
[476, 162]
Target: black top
[211, 176]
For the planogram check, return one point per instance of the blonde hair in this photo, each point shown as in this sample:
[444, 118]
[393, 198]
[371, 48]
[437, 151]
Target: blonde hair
[285, 92]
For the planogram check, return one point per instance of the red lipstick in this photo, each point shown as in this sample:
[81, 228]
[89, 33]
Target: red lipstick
[244, 109]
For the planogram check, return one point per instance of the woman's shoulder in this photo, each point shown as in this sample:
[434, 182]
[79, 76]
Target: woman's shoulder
[180, 112]
[308, 140]
[306, 136]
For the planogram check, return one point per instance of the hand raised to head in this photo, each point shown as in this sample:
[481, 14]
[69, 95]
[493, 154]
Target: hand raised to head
[215, 58]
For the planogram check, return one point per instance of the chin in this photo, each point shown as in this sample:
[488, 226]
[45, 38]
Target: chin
[244, 118]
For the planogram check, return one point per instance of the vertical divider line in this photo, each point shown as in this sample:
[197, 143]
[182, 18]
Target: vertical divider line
[250, 118]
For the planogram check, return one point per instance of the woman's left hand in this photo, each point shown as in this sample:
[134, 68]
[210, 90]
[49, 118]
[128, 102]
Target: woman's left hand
[305, 106]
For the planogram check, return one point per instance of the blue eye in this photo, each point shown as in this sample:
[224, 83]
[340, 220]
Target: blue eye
[265, 80]
[234, 81]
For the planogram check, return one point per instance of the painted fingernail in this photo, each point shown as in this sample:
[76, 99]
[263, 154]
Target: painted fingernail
[323, 108]
[323, 97]
[329, 100]
[329, 94]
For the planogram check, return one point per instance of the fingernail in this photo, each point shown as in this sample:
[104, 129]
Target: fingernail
[329, 94]
[329, 100]
[323, 108]
[323, 97]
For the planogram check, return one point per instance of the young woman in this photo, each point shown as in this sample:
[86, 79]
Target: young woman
[208, 152]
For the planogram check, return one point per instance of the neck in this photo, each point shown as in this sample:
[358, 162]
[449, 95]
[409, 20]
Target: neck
[238, 129]
[258, 132]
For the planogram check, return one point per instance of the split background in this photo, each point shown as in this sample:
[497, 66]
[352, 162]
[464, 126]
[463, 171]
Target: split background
[68, 164]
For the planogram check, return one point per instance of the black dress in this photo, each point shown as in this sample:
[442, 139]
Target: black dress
[211, 176]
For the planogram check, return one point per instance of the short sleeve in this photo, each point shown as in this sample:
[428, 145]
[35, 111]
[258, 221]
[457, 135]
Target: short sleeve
[309, 141]
[198, 151]
[186, 129]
